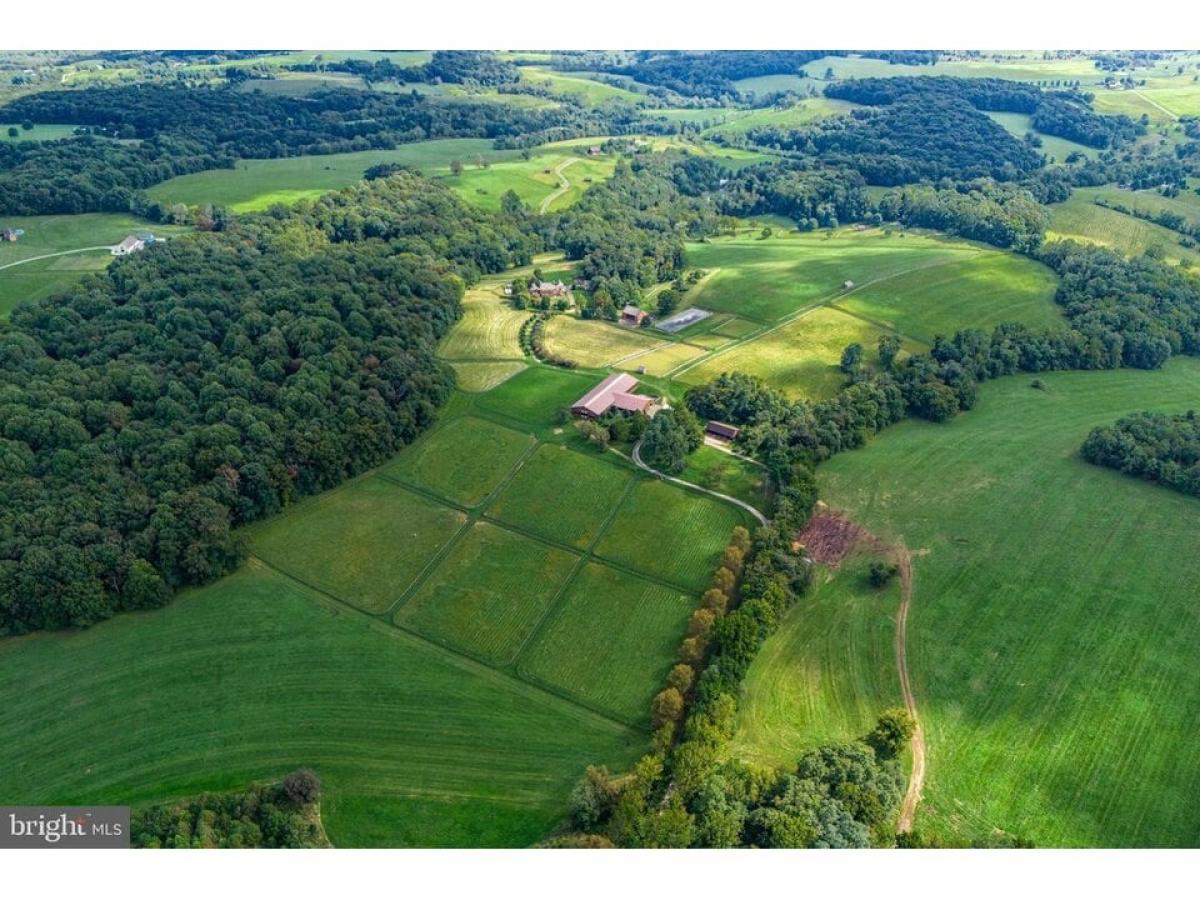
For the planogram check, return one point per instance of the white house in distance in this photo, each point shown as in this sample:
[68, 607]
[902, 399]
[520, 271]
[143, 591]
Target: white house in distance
[131, 244]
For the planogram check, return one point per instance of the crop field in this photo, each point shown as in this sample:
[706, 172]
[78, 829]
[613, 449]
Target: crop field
[980, 291]
[765, 280]
[828, 671]
[799, 357]
[1067, 749]
[489, 593]
[673, 534]
[253, 185]
[642, 624]
[254, 676]
[1058, 149]
[462, 461]
[593, 344]
[1080, 219]
[561, 495]
[363, 543]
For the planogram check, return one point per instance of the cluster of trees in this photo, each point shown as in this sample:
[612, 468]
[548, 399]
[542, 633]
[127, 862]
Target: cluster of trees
[810, 195]
[671, 437]
[475, 67]
[1004, 215]
[690, 792]
[1154, 446]
[208, 382]
[275, 815]
[188, 129]
[713, 74]
[1065, 114]
[917, 137]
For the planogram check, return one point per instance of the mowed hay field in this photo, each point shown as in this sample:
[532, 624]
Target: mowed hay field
[1079, 218]
[254, 676]
[594, 344]
[1053, 626]
[799, 357]
[828, 671]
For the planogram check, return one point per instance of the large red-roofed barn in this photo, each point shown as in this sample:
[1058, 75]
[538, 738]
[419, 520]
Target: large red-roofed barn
[614, 391]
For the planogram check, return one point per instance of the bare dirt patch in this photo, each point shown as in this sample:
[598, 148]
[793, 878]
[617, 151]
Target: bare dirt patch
[829, 537]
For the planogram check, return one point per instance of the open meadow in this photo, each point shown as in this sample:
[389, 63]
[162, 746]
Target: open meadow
[1081, 219]
[1019, 550]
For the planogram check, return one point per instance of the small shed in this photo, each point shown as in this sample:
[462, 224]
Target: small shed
[633, 316]
[722, 431]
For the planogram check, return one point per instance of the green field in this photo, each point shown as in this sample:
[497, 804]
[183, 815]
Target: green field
[1058, 149]
[364, 543]
[37, 133]
[666, 357]
[794, 116]
[593, 344]
[672, 534]
[477, 377]
[727, 474]
[561, 495]
[1080, 219]
[462, 461]
[611, 642]
[534, 179]
[532, 399]
[253, 185]
[255, 676]
[980, 291]
[1053, 626]
[488, 594]
[577, 85]
[765, 280]
[828, 671]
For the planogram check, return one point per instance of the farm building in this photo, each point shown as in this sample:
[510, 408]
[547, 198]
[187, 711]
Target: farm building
[593, 150]
[614, 392]
[631, 315]
[721, 431]
[846, 285]
[131, 244]
[548, 289]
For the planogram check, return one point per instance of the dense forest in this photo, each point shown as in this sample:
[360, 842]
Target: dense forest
[280, 815]
[713, 74]
[210, 381]
[1154, 446]
[187, 129]
[473, 67]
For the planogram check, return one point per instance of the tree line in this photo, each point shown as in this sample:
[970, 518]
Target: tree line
[205, 383]
[1155, 446]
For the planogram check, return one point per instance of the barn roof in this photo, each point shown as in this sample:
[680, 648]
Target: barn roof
[602, 396]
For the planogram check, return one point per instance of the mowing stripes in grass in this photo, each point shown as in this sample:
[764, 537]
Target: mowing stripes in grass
[478, 377]
[611, 641]
[534, 397]
[463, 461]
[363, 543]
[672, 533]
[593, 344]
[253, 676]
[488, 594]
[561, 495]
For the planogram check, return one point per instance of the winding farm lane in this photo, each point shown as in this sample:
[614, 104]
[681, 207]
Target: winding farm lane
[563, 184]
[29, 259]
[637, 460]
[916, 780]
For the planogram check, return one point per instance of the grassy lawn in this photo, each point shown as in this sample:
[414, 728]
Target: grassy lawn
[489, 328]
[364, 543]
[1058, 149]
[577, 85]
[828, 671]
[488, 594]
[800, 357]
[1021, 550]
[674, 534]
[532, 179]
[980, 291]
[478, 377]
[765, 280]
[561, 495]
[254, 676]
[1081, 219]
[37, 133]
[463, 460]
[611, 642]
[808, 110]
[663, 359]
[594, 344]
[41, 278]
[727, 474]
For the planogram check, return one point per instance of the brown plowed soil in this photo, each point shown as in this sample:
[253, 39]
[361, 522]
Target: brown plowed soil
[829, 536]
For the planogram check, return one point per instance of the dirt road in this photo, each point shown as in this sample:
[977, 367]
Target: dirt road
[916, 781]
[563, 185]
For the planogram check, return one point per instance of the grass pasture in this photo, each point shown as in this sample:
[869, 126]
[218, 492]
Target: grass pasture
[561, 495]
[462, 461]
[532, 398]
[594, 344]
[489, 329]
[534, 179]
[479, 377]
[1089, 747]
[802, 113]
[488, 594]
[254, 676]
[579, 86]
[1058, 149]
[364, 543]
[727, 474]
[641, 624]
[663, 359]
[37, 133]
[669, 533]
[1078, 218]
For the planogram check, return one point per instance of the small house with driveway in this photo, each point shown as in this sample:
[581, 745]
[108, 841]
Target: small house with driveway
[131, 244]
[548, 289]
